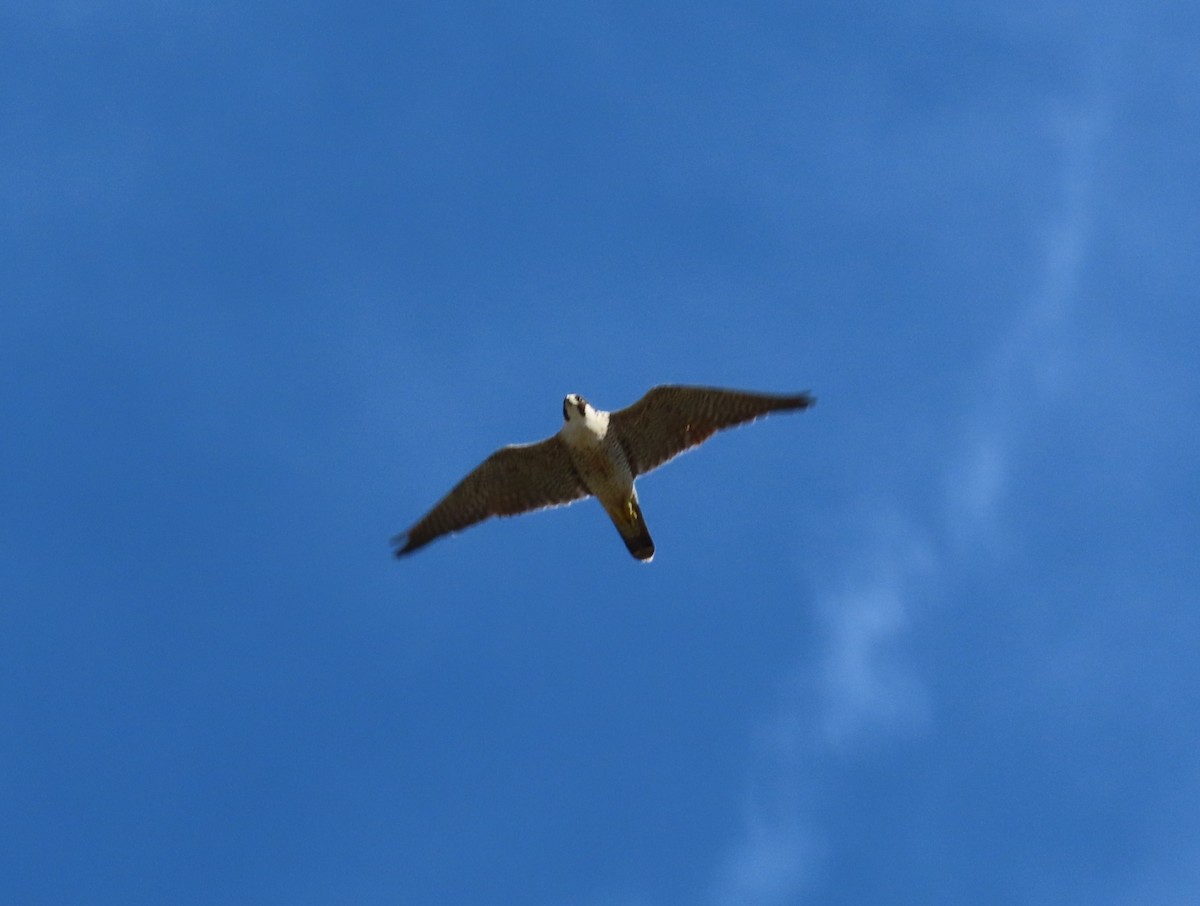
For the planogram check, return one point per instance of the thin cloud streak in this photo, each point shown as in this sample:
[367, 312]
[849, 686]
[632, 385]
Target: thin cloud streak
[771, 865]
[866, 691]
[866, 688]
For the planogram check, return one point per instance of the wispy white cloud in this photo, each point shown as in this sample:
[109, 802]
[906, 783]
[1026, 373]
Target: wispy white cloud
[866, 689]
[865, 686]
[861, 688]
[974, 485]
[770, 865]
[1032, 361]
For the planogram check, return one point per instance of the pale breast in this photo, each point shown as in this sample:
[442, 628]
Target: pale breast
[602, 465]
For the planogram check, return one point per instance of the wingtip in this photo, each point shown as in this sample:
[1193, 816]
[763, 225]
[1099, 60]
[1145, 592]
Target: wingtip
[799, 401]
[793, 401]
[401, 546]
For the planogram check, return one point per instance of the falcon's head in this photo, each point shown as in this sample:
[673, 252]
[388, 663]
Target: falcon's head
[574, 407]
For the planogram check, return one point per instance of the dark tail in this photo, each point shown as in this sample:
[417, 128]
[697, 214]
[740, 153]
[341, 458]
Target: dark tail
[635, 534]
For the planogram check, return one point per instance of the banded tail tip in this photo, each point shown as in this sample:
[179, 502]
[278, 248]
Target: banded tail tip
[641, 546]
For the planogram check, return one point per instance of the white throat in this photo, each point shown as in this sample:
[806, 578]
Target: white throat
[588, 429]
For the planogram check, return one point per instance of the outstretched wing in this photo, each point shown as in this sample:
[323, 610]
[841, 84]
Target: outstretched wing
[512, 480]
[668, 420]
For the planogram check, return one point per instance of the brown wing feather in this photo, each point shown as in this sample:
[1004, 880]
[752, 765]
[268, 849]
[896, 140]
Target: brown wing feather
[512, 480]
[670, 419]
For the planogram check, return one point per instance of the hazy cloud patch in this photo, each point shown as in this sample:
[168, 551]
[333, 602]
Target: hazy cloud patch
[864, 688]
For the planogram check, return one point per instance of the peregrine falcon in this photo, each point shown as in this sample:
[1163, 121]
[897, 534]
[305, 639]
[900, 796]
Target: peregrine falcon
[595, 453]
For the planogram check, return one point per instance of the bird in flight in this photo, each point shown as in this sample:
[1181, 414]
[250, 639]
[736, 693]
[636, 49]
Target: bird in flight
[595, 453]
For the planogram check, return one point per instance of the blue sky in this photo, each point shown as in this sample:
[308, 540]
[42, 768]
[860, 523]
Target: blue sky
[276, 275]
